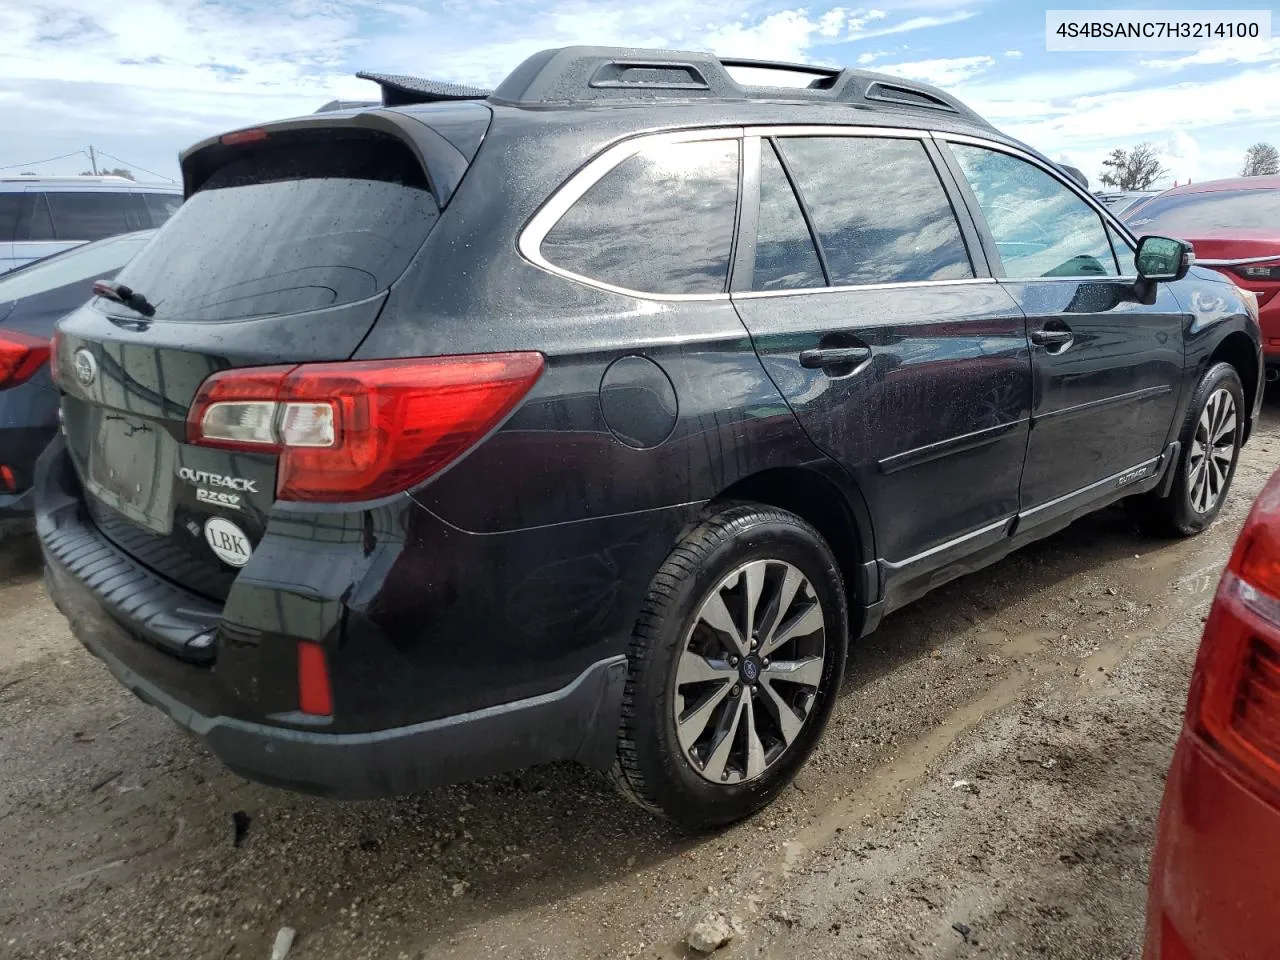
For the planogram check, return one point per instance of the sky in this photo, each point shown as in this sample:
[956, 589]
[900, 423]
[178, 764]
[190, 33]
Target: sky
[142, 79]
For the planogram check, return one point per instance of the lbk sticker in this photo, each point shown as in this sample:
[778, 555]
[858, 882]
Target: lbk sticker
[228, 541]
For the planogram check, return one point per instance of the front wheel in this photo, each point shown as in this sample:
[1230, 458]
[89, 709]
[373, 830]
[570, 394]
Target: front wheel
[735, 662]
[1211, 436]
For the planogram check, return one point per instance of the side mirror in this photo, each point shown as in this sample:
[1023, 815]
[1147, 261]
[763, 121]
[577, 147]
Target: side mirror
[1160, 260]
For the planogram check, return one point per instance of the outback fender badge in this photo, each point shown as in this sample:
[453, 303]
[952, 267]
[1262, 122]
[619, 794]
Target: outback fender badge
[85, 366]
[227, 541]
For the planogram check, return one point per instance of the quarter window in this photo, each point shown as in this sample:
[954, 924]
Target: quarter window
[1040, 226]
[661, 221]
[1124, 253]
[880, 210]
[785, 256]
[10, 204]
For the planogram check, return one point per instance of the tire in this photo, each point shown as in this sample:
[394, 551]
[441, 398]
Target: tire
[693, 771]
[1201, 483]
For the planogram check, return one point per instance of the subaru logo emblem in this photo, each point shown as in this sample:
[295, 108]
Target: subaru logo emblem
[86, 367]
[750, 671]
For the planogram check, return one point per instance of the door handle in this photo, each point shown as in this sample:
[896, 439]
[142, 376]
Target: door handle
[820, 358]
[1052, 338]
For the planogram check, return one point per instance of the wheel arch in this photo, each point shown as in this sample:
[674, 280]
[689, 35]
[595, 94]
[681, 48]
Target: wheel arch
[840, 516]
[1239, 350]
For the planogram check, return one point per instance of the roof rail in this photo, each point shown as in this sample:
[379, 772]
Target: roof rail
[398, 89]
[576, 74]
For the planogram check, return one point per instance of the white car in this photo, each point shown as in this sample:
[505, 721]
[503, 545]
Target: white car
[40, 216]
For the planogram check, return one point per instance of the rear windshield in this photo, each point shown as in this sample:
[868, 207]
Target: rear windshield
[83, 263]
[292, 224]
[1189, 214]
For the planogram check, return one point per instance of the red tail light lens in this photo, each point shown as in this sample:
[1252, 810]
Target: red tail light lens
[21, 355]
[315, 695]
[361, 429]
[1235, 692]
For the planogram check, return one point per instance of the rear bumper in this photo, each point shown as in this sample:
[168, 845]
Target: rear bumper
[1215, 874]
[562, 725]
[28, 421]
[576, 722]
[148, 632]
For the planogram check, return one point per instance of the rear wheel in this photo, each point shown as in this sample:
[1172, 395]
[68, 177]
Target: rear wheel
[735, 661]
[1211, 438]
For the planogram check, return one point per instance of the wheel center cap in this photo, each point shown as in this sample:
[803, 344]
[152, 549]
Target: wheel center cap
[750, 670]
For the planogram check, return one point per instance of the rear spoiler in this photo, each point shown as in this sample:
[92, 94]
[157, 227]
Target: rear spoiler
[444, 160]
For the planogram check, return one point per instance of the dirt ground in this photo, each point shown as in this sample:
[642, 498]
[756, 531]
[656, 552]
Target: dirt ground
[996, 760]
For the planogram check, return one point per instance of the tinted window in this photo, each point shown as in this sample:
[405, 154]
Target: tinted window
[660, 222]
[879, 209]
[785, 255]
[34, 222]
[91, 216]
[1193, 214]
[162, 206]
[1041, 227]
[90, 261]
[10, 204]
[289, 227]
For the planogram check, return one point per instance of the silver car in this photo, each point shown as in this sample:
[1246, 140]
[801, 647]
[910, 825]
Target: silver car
[40, 216]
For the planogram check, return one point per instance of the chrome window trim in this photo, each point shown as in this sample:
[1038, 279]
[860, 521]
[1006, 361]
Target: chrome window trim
[850, 288]
[573, 189]
[835, 130]
[1090, 200]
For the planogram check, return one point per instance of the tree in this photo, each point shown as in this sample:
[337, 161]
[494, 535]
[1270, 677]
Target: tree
[1261, 160]
[1135, 169]
[117, 172]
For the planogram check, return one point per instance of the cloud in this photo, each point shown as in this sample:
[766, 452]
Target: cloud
[945, 72]
[1238, 51]
[1013, 54]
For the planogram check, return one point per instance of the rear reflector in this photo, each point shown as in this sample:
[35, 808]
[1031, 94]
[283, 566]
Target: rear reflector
[315, 696]
[1235, 691]
[21, 355]
[361, 429]
[7, 482]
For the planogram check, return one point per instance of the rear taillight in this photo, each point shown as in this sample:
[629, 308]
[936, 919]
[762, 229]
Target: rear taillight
[21, 355]
[1235, 692]
[1258, 271]
[53, 357]
[360, 429]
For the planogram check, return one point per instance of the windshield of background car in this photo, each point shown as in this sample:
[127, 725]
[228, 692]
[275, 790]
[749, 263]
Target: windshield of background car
[1191, 214]
[288, 225]
[82, 263]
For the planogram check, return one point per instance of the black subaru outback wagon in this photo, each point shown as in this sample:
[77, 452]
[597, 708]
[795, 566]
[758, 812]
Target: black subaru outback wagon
[594, 417]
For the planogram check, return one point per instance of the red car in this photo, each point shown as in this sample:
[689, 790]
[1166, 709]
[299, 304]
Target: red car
[1235, 227]
[1215, 876]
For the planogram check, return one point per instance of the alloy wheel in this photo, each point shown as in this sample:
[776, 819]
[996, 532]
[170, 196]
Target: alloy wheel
[1213, 451]
[749, 673]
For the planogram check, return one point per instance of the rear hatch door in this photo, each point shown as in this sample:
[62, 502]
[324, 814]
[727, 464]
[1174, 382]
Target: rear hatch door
[283, 255]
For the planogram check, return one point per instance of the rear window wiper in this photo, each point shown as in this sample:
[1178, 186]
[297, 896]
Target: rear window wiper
[125, 295]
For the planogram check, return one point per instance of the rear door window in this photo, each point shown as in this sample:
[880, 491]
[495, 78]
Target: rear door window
[34, 222]
[91, 215]
[786, 258]
[291, 225]
[661, 221]
[879, 208]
